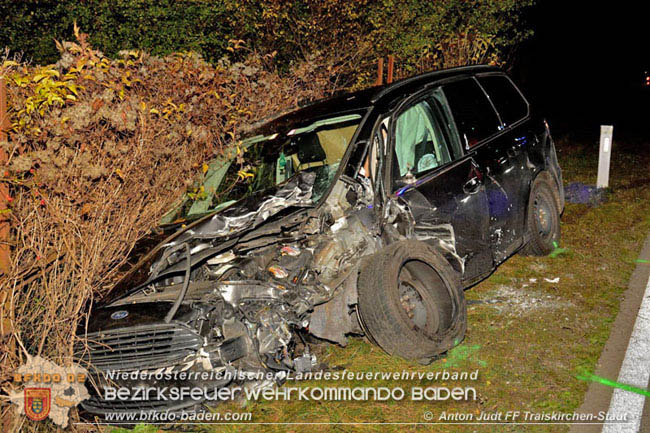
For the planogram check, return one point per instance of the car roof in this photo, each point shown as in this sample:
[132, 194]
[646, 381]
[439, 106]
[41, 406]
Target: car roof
[363, 99]
[388, 93]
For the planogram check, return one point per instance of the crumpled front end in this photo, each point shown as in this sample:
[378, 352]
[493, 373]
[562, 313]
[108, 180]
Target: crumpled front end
[235, 294]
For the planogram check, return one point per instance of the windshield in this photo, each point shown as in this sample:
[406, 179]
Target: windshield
[263, 161]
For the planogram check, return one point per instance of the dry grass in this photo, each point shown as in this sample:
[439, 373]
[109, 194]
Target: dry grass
[98, 151]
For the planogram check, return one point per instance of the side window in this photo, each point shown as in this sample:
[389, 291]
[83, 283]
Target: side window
[420, 143]
[507, 99]
[474, 115]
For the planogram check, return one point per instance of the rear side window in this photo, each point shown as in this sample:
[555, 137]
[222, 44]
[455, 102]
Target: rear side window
[474, 115]
[508, 101]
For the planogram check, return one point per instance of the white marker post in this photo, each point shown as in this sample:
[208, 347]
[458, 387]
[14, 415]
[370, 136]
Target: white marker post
[606, 134]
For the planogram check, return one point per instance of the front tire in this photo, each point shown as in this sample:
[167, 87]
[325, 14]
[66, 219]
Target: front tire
[543, 219]
[411, 302]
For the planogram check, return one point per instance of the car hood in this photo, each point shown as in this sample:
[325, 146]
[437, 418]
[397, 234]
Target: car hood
[210, 234]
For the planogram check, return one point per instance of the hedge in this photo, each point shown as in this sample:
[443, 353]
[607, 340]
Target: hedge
[292, 29]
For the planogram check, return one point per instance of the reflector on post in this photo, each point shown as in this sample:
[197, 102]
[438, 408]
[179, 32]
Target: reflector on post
[606, 134]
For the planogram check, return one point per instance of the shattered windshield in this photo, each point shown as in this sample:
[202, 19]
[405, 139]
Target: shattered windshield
[263, 161]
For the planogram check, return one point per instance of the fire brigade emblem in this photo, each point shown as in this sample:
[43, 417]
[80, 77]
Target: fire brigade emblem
[37, 403]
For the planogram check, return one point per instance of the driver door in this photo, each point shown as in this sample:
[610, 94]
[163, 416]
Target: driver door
[441, 185]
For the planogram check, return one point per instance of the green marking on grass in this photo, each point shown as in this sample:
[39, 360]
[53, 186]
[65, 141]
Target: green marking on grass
[593, 378]
[557, 250]
[462, 353]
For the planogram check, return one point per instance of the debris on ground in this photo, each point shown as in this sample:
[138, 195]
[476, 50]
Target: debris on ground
[579, 193]
[521, 301]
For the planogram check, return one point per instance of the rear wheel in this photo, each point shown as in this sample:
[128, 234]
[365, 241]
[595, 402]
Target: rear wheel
[411, 302]
[543, 219]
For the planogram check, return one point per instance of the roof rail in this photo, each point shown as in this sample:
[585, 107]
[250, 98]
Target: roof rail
[406, 81]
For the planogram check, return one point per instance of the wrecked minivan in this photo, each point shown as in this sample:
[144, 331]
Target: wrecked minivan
[366, 214]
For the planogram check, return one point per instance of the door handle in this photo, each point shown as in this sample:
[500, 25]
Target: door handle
[472, 186]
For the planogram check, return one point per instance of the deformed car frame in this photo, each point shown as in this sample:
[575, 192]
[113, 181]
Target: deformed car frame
[367, 213]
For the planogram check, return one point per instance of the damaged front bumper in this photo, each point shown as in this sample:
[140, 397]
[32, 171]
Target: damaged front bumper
[234, 294]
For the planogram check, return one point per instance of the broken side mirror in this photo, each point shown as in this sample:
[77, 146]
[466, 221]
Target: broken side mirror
[407, 179]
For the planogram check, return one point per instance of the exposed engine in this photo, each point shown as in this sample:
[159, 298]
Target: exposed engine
[253, 299]
[233, 294]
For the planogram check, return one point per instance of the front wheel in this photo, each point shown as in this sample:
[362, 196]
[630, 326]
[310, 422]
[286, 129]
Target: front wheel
[411, 302]
[543, 219]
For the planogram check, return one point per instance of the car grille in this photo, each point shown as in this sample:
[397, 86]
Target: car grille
[139, 347]
[96, 405]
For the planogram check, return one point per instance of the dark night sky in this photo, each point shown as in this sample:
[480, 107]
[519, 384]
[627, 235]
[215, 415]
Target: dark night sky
[584, 65]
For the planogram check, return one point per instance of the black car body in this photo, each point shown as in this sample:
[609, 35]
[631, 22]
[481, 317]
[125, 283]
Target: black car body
[368, 213]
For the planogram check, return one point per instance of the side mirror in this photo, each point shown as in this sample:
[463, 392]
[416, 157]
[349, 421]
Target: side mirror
[407, 179]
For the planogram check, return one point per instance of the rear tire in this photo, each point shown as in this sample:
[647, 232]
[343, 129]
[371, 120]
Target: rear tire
[543, 219]
[411, 302]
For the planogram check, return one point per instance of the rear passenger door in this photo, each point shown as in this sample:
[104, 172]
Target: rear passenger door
[486, 137]
[441, 185]
[510, 165]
